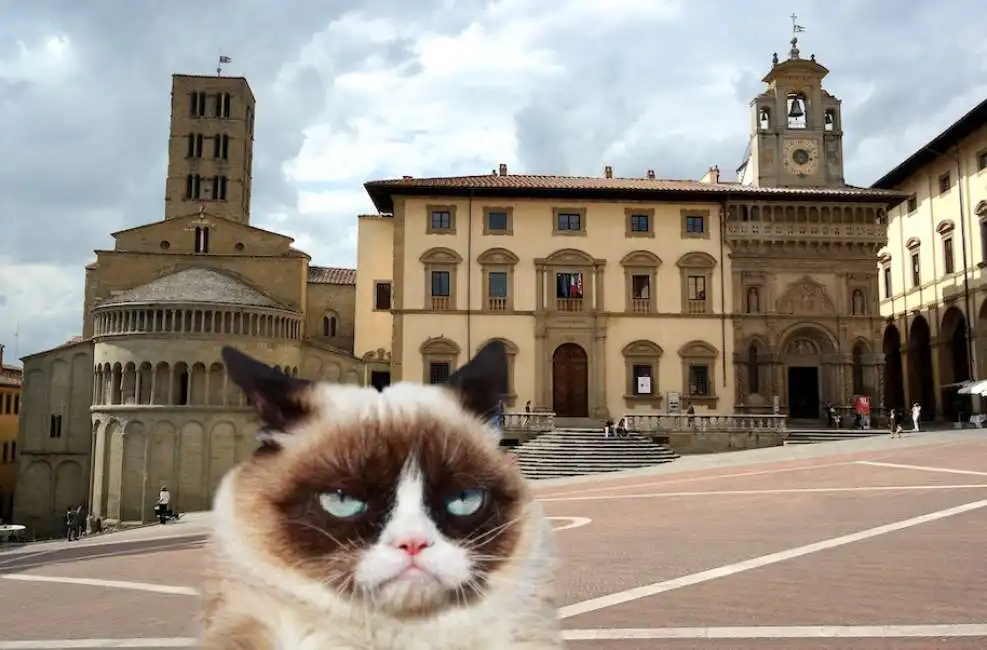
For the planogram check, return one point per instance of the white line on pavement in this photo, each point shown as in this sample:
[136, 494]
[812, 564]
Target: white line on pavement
[688, 479]
[720, 493]
[645, 591]
[921, 468]
[574, 522]
[780, 632]
[113, 584]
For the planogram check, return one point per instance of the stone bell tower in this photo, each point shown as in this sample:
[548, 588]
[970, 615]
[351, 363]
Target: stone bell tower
[796, 128]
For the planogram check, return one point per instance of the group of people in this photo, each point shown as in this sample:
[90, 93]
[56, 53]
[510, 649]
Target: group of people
[79, 523]
[894, 423]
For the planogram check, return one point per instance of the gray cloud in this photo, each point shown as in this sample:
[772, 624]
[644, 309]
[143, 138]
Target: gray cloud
[86, 156]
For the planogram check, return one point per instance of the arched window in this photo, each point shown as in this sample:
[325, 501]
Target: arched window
[329, 325]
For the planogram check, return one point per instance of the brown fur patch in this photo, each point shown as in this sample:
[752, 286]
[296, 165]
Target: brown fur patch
[278, 492]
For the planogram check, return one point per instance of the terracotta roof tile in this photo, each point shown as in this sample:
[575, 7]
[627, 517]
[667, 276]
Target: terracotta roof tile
[331, 275]
[381, 190]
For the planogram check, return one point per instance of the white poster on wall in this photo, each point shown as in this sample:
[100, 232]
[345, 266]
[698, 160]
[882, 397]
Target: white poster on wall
[674, 401]
[644, 385]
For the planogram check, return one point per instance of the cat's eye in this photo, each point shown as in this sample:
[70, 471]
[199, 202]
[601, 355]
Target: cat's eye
[466, 503]
[341, 505]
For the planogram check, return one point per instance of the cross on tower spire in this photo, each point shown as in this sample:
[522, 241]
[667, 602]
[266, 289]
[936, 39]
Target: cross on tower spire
[796, 29]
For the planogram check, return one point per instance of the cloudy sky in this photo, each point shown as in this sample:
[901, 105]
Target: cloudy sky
[350, 91]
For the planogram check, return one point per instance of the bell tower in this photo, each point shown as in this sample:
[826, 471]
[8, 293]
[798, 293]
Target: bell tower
[796, 127]
[210, 151]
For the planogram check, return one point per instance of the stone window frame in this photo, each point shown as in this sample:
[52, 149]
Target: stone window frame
[684, 215]
[495, 260]
[440, 258]
[884, 264]
[945, 183]
[640, 262]
[330, 318]
[438, 349]
[696, 263]
[642, 352]
[945, 230]
[390, 295]
[914, 247]
[910, 202]
[510, 397]
[556, 211]
[981, 211]
[632, 212]
[487, 209]
[569, 260]
[429, 209]
[699, 353]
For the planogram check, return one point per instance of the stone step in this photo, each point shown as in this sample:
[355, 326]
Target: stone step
[576, 451]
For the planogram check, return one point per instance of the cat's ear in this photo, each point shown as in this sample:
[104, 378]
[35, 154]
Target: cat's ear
[479, 382]
[279, 400]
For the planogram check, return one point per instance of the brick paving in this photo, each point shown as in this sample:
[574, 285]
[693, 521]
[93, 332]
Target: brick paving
[646, 528]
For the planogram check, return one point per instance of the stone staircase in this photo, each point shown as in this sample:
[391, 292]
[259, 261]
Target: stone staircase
[578, 451]
[813, 436]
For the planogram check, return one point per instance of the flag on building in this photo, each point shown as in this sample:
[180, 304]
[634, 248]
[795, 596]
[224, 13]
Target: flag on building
[225, 59]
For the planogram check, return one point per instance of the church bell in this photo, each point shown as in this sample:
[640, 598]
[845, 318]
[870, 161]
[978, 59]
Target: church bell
[796, 108]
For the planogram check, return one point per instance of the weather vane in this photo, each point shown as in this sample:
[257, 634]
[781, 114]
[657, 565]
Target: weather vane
[796, 28]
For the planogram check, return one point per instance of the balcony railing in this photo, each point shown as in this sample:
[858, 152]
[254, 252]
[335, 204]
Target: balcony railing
[660, 422]
[441, 303]
[641, 305]
[496, 304]
[534, 422]
[569, 304]
[696, 306]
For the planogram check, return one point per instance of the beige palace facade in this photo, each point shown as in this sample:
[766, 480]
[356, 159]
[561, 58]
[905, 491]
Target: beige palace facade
[934, 269]
[612, 292]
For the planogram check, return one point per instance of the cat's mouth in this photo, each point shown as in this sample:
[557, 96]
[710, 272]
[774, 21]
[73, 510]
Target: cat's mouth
[412, 573]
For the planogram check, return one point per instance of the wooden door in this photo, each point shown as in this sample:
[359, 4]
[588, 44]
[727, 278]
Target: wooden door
[570, 381]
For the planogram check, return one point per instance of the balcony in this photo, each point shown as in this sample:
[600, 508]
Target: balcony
[441, 303]
[641, 305]
[496, 304]
[569, 304]
[779, 231]
[696, 307]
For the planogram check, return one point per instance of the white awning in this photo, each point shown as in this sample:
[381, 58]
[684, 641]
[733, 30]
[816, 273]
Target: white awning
[974, 388]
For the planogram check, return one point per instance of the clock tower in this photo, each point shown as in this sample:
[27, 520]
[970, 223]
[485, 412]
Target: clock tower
[796, 128]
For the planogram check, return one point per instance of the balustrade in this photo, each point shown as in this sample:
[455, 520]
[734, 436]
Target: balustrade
[670, 422]
[115, 321]
[534, 422]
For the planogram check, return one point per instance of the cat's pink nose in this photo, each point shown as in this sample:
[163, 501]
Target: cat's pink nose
[413, 545]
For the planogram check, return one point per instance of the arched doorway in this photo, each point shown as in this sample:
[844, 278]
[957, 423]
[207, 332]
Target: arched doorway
[570, 381]
[920, 386]
[859, 385]
[805, 381]
[954, 361]
[894, 376]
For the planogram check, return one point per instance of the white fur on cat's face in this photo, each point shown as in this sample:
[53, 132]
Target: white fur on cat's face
[388, 570]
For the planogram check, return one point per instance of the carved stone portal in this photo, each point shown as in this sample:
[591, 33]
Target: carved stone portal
[806, 297]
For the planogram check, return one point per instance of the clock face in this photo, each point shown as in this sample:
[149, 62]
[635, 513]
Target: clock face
[801, 157]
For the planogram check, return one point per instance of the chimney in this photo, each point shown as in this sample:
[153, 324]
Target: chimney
[503, 169]
[407, 178]
[608, 172]
[712, 176]
[651, 174]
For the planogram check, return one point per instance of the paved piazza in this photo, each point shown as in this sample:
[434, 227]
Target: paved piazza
[863, 544]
